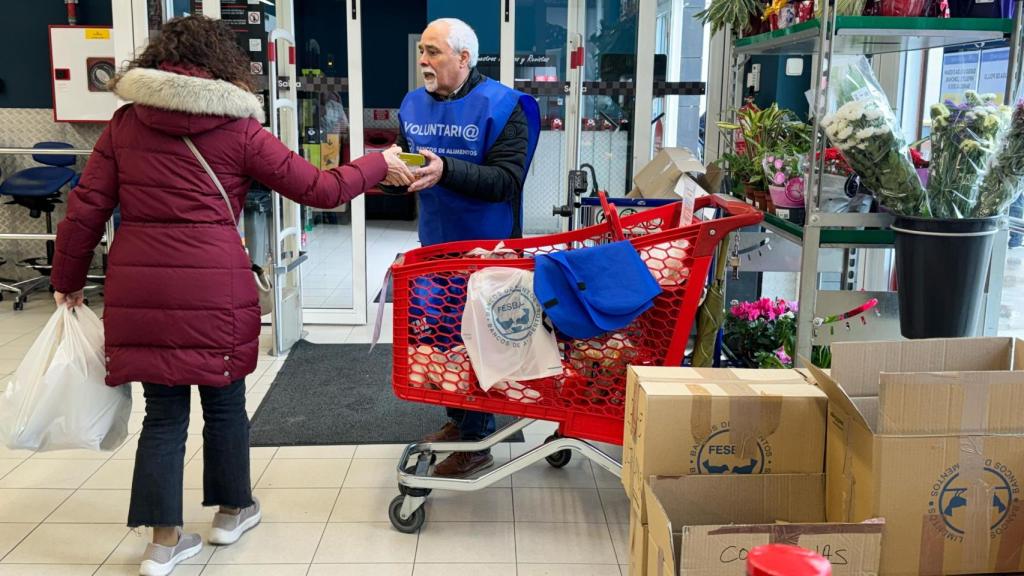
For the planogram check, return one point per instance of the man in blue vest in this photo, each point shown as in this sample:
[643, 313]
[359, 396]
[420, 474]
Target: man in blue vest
[478, 137]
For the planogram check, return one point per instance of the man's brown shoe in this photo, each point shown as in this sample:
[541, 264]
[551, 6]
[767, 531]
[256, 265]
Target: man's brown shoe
[448, 433]
[462, 464]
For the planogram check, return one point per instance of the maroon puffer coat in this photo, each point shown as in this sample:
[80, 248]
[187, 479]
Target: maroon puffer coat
[181, 305]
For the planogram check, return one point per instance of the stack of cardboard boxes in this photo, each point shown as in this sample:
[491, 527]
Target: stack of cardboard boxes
[929, 434]
[921, 444]
[712, 459]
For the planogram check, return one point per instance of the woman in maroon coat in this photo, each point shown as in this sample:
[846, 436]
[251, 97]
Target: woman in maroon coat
[181, 304]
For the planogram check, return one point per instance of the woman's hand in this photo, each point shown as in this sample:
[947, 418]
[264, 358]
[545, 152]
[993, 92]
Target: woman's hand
[70, 300]
[398, 173]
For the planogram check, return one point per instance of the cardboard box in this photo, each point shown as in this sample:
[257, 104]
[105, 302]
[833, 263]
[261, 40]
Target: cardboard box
[667, 176]
[929, 434]
[712, 179]
[682, 375]
[330, 152]
[704, 421]
[659, 177]
[705, 526]
[639, 536]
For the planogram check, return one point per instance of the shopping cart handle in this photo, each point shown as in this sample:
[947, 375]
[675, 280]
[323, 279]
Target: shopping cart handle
[611, 216]
[735, 215]
[732, 207]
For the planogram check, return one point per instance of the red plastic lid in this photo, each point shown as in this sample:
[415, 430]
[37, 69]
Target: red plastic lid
[781, 560]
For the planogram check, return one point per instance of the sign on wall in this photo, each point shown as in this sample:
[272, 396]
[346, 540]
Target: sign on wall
[959, 74]
[992, 77]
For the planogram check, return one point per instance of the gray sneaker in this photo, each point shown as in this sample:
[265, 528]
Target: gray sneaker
[228, 528]
[161, 560]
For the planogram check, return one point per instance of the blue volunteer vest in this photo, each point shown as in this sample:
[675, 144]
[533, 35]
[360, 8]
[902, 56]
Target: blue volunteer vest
[465, 129]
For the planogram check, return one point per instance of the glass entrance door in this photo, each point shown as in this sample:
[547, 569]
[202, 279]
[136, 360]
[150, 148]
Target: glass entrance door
[541, 70]
[608, 119]
[578, 58]
[330, 109]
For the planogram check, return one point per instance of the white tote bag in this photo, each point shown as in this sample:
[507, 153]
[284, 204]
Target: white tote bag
[503, 330]
[58, 399]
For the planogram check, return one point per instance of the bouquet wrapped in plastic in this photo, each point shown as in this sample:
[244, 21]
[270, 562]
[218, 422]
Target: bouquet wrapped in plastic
[1004, 179]
[864, 128]
[964, 138]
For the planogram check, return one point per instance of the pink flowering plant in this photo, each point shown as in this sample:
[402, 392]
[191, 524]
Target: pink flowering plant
[784, 170]
[762, 333]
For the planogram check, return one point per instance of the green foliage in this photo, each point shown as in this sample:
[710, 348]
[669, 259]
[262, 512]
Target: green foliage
[723, 13]
[772, 130]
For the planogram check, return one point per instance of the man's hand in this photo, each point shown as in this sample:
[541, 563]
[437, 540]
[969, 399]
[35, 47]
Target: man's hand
[398, 173]
[430, 174]
[70, 300]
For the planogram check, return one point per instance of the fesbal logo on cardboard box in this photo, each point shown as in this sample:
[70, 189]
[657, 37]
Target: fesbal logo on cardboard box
[720, 453]
[951, 493]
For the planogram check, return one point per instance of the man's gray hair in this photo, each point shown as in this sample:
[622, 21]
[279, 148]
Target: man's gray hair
[461, 37]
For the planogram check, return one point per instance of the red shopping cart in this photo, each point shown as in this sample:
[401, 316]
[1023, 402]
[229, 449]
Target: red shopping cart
[588, 399]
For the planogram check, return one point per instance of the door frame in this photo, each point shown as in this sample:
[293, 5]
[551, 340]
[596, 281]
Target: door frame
[357, 314]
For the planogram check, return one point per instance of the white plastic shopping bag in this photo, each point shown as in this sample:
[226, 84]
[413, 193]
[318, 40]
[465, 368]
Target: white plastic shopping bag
[58, 399]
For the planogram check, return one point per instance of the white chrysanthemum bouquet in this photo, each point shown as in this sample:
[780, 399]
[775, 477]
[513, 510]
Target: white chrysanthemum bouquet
[977, 162]
[864, 129]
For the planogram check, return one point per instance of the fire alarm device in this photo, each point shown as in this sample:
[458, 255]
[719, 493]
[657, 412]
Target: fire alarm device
[82, 64]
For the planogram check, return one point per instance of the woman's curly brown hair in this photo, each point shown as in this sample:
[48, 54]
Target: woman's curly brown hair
[200, 42]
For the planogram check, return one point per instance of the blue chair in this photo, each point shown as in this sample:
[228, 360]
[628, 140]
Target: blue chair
[38, 189]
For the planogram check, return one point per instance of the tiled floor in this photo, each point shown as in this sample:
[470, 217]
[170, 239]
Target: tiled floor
[1011, 317]
[325, 508]
[327, 275]
[63, 513]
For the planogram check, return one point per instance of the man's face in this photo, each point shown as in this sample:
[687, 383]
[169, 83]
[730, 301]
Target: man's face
[443, 69]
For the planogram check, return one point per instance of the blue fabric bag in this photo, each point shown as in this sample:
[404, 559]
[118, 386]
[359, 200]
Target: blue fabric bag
[590, 291]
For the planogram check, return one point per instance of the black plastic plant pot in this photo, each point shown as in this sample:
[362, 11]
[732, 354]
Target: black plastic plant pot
[940, 273]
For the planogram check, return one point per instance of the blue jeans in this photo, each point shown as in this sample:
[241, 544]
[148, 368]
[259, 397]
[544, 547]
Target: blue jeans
[472, 425]
[160, 460]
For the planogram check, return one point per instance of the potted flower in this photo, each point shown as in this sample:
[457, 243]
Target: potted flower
[784, 175]
[761, 131]
[760, 333]
[945, 230]
[743, 176]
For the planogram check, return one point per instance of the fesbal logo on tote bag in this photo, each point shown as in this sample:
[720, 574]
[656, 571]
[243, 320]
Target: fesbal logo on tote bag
[513, 316]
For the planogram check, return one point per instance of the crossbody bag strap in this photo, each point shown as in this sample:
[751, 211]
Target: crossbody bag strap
[213, 176]
[264, 282]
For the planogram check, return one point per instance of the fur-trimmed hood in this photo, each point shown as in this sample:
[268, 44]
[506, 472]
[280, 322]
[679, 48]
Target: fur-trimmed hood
[189, 94]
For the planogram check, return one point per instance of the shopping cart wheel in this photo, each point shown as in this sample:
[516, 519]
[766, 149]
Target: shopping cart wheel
[407, 491]
[409, 525]
[561, 458]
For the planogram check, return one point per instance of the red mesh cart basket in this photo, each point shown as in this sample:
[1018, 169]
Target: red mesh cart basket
[588, 399]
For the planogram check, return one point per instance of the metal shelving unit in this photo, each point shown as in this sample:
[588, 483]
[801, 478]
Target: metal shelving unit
[867, 35]
[877, 35]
